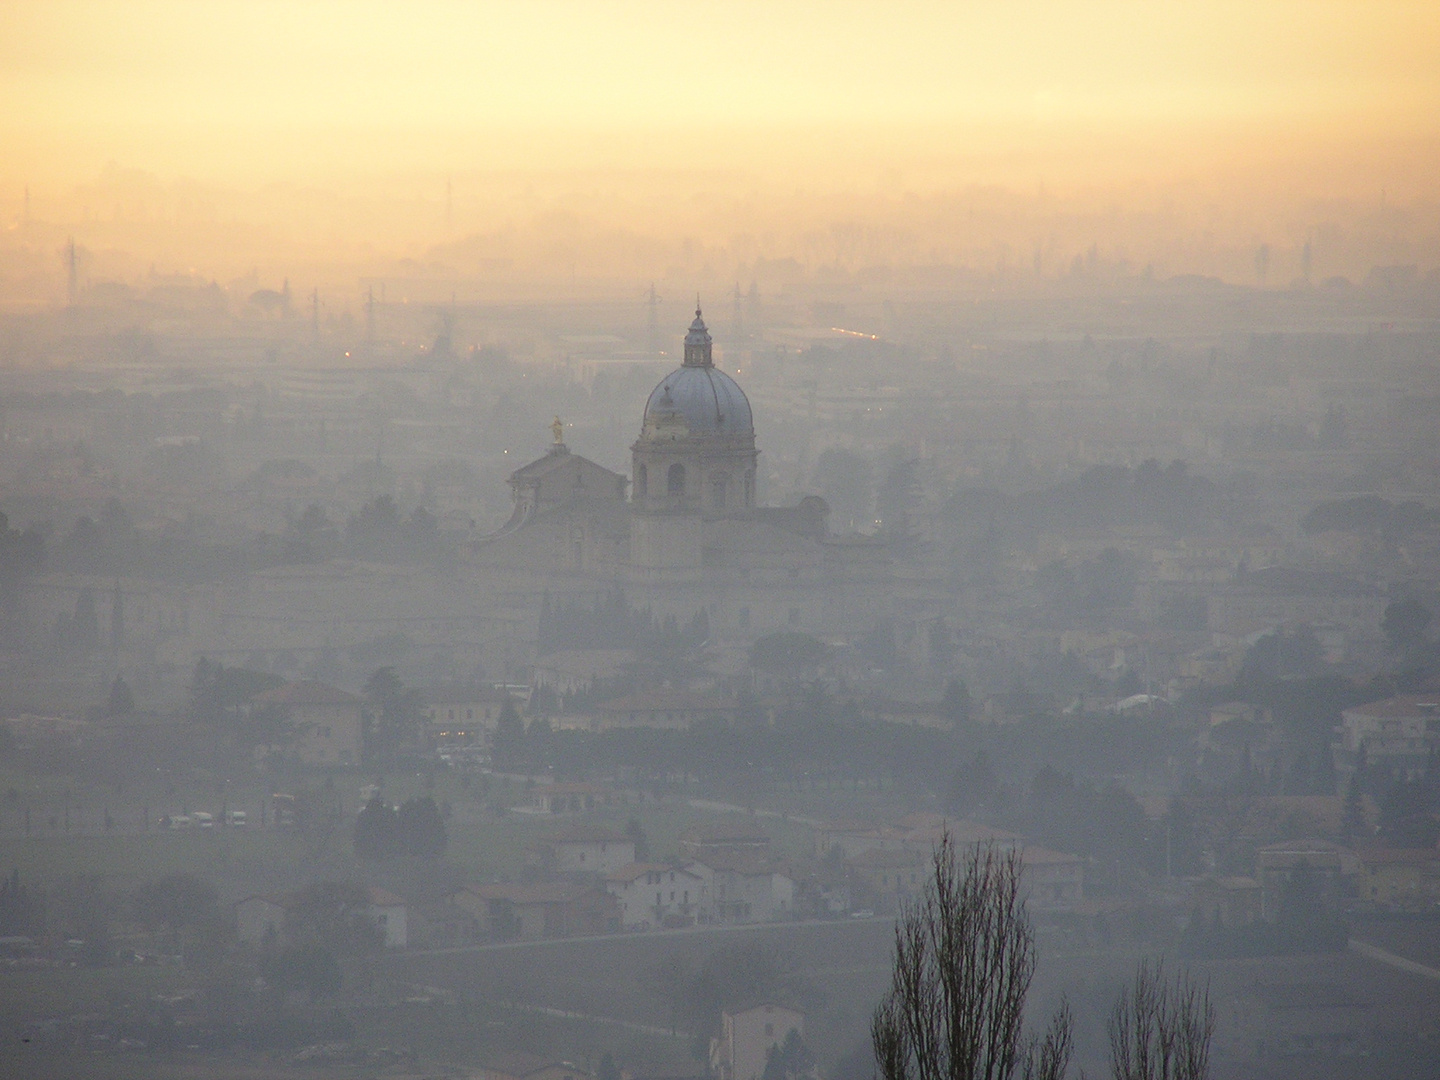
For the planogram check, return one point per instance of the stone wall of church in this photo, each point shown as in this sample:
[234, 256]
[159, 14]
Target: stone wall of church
[665, 541]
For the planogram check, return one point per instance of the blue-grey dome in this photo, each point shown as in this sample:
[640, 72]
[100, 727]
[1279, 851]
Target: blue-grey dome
[709, 401]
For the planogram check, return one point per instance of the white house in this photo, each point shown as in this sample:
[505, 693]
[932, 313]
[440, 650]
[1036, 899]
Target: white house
[387, 912]
[747, 888]
[1397, 736]
[462, 713]
[1051, 879]
[656, 894]
[264, 920]
[746, 1036]
[327, 721]
[584, 850]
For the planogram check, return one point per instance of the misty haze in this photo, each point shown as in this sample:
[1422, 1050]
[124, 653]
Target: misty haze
[586, 541]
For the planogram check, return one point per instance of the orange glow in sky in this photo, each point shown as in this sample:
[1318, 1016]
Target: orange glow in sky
[203, 87]
[575, 140]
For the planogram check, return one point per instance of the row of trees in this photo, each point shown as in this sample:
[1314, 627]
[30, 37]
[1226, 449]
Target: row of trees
[609, 622]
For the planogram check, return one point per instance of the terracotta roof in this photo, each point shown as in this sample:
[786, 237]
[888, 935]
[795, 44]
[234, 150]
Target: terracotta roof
[590, 834]
[880, 858]
[576, 788]
[660, 700]
[737, 1011]
[1311, 846]
[462, 695]
[523, 1065]
[555, 460]
[750, 864]
[627, 874]
[305, 692]
[963, 833]
[1402, 706]
[545, 892]
[1397, 856]
[724, 834]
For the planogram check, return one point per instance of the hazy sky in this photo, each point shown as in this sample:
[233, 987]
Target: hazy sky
[632, 139]
[273, 90]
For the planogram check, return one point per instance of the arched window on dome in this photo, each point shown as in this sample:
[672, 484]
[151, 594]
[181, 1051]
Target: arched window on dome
[641, 481]
[675, 480]
[718, 486]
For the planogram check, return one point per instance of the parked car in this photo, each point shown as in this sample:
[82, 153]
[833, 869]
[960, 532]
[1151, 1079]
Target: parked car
[203, 820]
[178, 821]
[235, 819]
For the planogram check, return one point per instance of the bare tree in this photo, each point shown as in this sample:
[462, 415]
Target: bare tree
[1161, 1030]
[964, 958]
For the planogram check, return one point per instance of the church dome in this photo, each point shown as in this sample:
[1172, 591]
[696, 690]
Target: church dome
[706, 399]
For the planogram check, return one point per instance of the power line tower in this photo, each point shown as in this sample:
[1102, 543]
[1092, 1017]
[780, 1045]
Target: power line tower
[739, 313]
[72, 271]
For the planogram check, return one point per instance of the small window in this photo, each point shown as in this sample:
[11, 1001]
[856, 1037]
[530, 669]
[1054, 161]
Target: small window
[675, 480]
[642, 481]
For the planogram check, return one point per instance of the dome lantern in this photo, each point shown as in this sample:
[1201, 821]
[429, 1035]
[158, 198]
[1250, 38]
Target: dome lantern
[697, 342]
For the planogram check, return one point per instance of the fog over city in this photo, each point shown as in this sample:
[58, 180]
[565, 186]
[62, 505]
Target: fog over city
[751, 542]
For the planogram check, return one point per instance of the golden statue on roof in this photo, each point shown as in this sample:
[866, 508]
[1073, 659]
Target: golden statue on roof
[558, 430]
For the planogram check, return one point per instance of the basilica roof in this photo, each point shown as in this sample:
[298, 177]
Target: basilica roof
[705, 398]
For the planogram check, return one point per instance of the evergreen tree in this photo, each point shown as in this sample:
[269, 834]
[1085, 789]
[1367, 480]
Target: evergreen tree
[375, 830]
[21, 911]
[509, 735]
[419, 829]
[636, 832]
[790, 1060]
[394, 713]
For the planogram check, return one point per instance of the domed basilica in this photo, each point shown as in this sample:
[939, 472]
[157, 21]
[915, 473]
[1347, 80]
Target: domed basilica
[690, 534]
